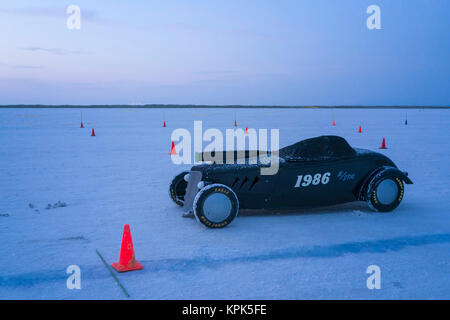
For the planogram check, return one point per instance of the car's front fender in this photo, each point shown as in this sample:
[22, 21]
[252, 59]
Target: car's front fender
[385, 170]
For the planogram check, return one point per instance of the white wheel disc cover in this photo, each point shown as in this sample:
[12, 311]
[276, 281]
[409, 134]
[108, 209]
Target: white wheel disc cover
[387, 191]
[217, 207]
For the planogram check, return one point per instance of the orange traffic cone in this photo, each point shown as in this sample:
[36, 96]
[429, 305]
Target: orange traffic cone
[93, 133]
[127, 261]
[246, 130]
[172, 150]
[164, 124]
[81, 125]
[359, 129]
[383, 144]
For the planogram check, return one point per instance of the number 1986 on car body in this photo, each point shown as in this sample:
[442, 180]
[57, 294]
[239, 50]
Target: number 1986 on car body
[314, 179]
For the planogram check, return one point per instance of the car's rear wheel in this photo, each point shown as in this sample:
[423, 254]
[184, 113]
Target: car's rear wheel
[385, 192]
[177, 189]
[216, 206]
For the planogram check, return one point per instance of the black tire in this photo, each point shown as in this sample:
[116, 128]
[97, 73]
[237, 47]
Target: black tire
[212, 214]
[385, 192]
[177, 189]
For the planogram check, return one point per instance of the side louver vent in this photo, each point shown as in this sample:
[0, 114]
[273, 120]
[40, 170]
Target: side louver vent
[243, 182]
[253, 183]
[235, 182]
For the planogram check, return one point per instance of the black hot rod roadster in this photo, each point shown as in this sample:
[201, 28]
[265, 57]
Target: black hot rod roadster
[314, 172]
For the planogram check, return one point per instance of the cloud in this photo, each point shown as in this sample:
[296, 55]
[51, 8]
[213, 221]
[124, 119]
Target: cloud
[245, 33]
[56, 51]
[217, 72]
[21, 66]
[87, 15]
[47, 12]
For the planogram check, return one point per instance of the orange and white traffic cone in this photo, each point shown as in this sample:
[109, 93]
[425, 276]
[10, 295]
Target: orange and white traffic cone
[172, 149]
[383, 144]
[127, 260]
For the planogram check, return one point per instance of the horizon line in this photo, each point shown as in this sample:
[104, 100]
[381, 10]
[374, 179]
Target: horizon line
[193, 106]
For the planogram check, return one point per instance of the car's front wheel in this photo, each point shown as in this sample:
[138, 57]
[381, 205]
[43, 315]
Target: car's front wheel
[177, 189]
[385, 192]
[216, 206]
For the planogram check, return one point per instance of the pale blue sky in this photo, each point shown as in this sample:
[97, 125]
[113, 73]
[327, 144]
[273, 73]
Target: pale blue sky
[316, 52]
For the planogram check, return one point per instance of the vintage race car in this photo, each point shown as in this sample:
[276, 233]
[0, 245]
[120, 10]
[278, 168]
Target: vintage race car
[315, 172]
